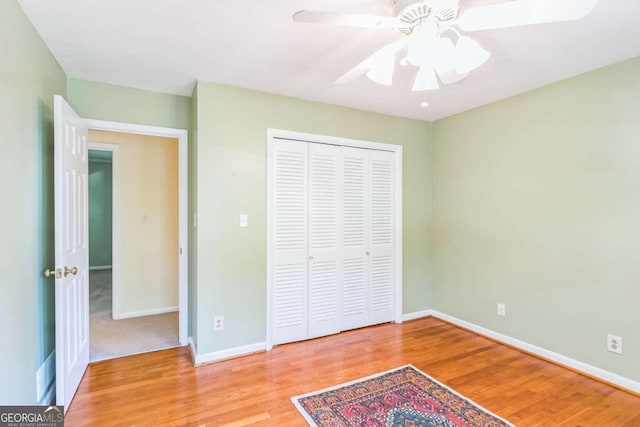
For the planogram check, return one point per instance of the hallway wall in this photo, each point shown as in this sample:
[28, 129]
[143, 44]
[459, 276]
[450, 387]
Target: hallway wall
[149, 223]
[100, 207]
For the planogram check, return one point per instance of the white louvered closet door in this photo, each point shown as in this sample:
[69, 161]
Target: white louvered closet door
[289, 252]
[381, 236]
[324, 240]
[355, 238]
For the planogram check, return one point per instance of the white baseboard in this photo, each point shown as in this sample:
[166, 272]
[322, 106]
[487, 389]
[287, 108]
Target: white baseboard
[48, 387]
[228, 353]
[194, 353]
[130, 314]
[100, 267]
[416, 315]
[590, 370]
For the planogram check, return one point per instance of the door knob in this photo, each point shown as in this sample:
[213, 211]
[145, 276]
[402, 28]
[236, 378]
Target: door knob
[310, 257]
[73, 270]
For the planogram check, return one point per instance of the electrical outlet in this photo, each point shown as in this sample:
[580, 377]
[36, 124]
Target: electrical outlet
[218, 323]
[614, 344]
[502, 310]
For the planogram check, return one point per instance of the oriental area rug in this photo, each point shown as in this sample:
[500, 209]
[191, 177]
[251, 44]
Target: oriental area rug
[402, 397]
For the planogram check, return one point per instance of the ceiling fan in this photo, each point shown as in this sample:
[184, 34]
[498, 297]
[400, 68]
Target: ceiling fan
[430, 30]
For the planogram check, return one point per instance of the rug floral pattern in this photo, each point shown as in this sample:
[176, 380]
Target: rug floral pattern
[404, 397]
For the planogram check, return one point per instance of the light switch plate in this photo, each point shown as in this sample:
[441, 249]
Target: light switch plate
[502, 310]
[244, 220]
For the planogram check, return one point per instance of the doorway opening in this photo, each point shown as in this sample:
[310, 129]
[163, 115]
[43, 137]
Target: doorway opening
[136, 279]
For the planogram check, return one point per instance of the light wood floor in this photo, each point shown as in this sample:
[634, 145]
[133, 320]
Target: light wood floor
[163, 388]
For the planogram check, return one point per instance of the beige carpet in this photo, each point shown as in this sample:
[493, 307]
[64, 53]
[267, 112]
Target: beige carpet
[113, 338]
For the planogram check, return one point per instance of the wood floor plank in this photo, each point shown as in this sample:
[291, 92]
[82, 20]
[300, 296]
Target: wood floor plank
[163, 388]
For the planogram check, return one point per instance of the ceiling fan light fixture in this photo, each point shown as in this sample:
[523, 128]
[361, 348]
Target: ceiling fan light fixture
[423, 45]
[426, 79]
[444, 53]
[470, 55]
[449, 75]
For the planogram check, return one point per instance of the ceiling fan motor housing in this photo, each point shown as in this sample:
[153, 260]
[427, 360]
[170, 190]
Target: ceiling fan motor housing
[412, 12]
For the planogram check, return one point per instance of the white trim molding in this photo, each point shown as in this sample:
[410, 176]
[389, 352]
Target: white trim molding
[182, 135]
[417, 315]
[228, 353]
[116, 231]
[135, 128]
[585, 368]
[399, 236]
[151, 312]
[272, 135]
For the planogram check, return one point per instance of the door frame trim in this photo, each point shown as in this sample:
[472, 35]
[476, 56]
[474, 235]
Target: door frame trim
[272, 135]
[116, 230]
[182, 135]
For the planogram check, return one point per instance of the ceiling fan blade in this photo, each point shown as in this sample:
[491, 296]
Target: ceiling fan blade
[345, 19]
[523, 12]
[353, 74]
[369, 63]
[450, 75]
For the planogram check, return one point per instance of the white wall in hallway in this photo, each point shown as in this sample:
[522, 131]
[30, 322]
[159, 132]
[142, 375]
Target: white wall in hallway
[149, 220]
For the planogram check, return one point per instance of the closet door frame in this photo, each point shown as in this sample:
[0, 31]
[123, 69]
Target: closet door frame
[276, 134]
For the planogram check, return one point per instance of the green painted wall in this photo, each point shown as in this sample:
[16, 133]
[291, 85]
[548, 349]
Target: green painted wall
[29, 77]
[231, 176]
[104, 101]
[537, 205]
[100, 211]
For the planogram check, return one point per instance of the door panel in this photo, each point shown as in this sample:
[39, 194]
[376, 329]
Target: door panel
[381, 236]
[289, 276]
[324, 238]
[71, 251]
[355, 262]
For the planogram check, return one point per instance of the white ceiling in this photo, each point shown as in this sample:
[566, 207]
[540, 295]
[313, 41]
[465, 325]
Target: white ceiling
[166, 45]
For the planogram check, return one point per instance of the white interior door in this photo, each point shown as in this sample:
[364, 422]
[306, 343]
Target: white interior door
[381, 236]
[290, 242]
[355, 238]
[324, 240]
[71, 251]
